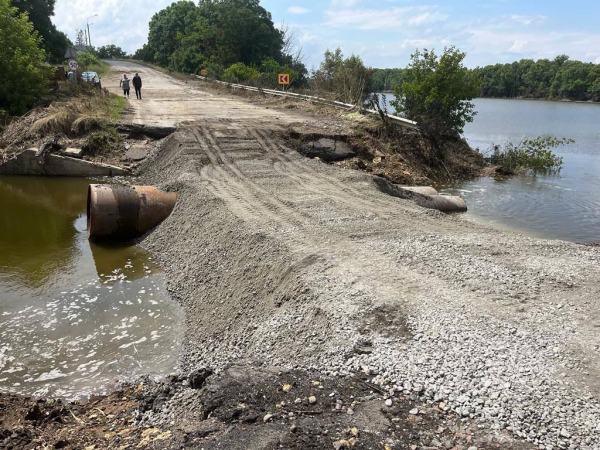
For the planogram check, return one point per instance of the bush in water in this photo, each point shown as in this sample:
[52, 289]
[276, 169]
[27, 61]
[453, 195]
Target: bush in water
[530, 155]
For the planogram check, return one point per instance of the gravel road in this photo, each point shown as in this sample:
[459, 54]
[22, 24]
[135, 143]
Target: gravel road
[293, 262]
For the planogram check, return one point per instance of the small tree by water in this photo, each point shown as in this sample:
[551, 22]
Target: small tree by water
[437, 93]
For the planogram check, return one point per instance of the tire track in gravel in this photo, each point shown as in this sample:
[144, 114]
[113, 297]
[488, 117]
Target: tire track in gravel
[235, 188]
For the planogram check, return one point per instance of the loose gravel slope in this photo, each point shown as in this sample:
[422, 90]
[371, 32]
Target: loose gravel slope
[287, 260]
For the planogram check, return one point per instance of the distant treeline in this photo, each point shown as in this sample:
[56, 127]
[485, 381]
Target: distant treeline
[559, 78]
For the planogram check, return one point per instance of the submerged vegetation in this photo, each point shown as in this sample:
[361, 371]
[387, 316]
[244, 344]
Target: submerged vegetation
[530, 155]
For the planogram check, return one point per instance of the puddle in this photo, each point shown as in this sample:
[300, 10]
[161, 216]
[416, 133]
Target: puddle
[75, 318]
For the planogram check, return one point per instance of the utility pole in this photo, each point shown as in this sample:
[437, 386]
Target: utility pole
[88, 29]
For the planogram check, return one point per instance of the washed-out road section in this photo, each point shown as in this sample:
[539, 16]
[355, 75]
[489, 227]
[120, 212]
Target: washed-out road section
[292, 262]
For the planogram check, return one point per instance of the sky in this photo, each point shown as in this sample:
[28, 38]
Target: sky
[383, 32]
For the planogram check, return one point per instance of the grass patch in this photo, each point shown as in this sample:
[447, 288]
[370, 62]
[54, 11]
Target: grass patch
[102, 142]
[101, 68]
[118, 105]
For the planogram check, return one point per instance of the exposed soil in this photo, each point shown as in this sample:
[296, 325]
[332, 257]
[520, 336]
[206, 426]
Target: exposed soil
[247, 406]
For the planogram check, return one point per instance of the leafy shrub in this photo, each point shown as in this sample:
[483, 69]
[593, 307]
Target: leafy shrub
[438, 92]
[87, 58]
[23, 72]
[240, 72]
[270, 70]
[214, 69]
[530, 155]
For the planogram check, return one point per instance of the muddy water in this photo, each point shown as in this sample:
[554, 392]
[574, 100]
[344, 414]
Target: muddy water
[75, 317]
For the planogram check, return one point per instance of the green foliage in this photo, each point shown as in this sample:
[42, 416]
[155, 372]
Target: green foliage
[102, 142]
[348, 79]
[269, 74]
[530, 155]
[386, 80]
[240, 72]
[214, 69]
[144, 54]
[111, 51]
[40, 11]
[167, 28]
[23, 72]
[559, 78]
[438, 92]
[87, 58]
[215, 34]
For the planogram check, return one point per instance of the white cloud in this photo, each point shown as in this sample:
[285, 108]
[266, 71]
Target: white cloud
[528, 20]
[597, 60]
[518, 46]
[345, 3]
[125, 26]
[298, 10]
[371, 19]
[307, 38]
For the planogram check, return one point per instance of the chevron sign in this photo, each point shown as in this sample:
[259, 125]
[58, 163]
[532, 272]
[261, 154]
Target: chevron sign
[284, 78]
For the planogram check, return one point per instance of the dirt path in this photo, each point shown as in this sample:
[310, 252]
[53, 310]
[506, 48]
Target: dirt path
[292, 263]
[169, 102]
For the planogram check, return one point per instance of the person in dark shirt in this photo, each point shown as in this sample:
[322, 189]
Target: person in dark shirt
[137, 84]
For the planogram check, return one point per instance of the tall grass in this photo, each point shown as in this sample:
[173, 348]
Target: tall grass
[87, 110]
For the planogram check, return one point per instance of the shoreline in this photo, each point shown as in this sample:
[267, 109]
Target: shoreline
[558, 100]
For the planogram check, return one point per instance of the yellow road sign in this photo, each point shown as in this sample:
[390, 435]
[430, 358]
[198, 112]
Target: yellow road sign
[284, 78]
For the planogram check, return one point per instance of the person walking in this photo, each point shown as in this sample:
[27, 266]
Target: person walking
[137, 84]
[125, 85]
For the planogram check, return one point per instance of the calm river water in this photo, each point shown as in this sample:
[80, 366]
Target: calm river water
[564, 206]
[75, 317]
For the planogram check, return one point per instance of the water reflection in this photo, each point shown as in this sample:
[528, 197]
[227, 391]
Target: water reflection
[74, 316]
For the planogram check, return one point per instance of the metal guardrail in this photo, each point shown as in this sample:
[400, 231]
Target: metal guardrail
[394, 119]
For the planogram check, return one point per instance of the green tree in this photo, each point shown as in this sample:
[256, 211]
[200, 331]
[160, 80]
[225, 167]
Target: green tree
[438, 93]
[87, 58]
[559, 78]
[347, 78]
[167, 28]
[111, 51]
[23, 72]
[40, 12]
[188, 37]
[385, 80]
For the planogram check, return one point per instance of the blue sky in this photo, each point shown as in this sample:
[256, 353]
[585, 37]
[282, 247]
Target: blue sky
[384, 32]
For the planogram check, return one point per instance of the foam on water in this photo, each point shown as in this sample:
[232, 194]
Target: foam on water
[83, 341]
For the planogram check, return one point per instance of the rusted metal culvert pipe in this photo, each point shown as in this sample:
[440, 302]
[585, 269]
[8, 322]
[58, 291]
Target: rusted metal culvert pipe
[119, 212]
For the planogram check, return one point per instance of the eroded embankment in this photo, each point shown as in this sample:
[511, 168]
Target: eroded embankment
[296, 263]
